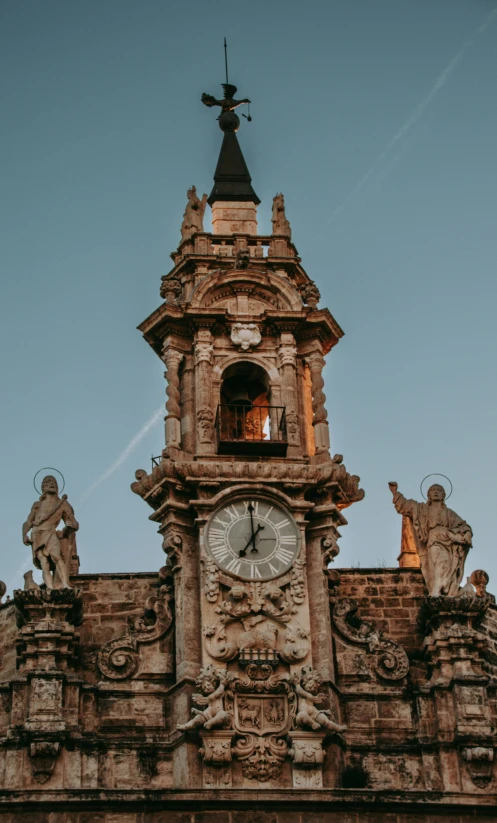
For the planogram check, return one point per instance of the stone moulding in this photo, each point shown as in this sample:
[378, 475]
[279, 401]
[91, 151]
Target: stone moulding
[119, 658]
[390, 659]
[333, 473]
[435, 611]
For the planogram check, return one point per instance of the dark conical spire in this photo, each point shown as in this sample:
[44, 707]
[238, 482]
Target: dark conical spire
[232, 180]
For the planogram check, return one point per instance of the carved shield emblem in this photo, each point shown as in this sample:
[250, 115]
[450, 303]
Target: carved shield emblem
[261, 714]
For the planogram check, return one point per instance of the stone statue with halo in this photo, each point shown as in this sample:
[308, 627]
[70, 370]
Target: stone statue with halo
[442, 538]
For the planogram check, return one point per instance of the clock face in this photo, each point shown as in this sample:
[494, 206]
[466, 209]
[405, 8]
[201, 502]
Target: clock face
[253, 539]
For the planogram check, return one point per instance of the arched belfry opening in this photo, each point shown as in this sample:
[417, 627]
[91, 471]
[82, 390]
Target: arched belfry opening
[247, 422]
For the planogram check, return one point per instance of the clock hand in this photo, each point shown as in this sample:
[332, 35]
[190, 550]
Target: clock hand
[243, 551]
[259, 528]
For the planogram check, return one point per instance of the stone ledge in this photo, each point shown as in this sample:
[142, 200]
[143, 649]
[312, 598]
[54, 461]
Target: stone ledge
[363, 800]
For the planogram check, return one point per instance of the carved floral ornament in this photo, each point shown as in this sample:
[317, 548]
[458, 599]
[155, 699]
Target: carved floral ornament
[259, 709]
[245, 335]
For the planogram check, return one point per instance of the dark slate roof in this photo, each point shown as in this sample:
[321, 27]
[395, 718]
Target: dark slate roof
[232, 180]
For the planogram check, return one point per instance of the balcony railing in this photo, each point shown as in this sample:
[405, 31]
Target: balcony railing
[256, 430]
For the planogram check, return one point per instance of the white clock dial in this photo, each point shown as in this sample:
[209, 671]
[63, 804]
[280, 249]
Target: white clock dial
[253, 539]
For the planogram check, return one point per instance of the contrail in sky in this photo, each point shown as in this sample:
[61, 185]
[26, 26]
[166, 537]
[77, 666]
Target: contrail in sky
[414, 117]
[133, 443]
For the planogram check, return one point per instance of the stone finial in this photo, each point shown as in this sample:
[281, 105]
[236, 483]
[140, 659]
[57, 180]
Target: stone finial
[50, 546]
[281, 226]
[193, 218]
[479, 580]
[443, 539]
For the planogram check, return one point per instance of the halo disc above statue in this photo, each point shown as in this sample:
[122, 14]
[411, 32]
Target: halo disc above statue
[441, 484]
[49, 470]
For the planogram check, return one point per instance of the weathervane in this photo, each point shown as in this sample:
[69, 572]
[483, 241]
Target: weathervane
[228, 121]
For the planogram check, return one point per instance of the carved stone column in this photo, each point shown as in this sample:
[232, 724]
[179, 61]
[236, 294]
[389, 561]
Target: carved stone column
[288, 362]
[321, 536]
[172, 358]
[204, 356]
[455, 651]
[316, 364]
[188, 405]
[45, 693]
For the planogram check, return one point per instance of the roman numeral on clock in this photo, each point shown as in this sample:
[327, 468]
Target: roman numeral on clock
[289, 540]
[234, 566]
[219, 552]
[285, 555]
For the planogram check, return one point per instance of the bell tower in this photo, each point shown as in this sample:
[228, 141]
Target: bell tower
[246, 495]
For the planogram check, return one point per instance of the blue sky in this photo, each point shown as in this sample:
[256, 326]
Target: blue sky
[377, 120]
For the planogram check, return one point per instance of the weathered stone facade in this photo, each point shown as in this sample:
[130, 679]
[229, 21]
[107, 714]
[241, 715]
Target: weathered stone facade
[247, 680]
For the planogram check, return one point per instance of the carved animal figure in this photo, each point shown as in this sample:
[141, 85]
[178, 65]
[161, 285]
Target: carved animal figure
[249, 713]
[274, 712]
[259, 638]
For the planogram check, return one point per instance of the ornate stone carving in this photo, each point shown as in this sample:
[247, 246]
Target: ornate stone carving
[288, 355]
[310, 294]
[119, 659]
[258, 607]
[297, 581]
[172, 545]
[390, 660]
[330, 550]
[261, 757]
[46, 540]
[443, 539]
[281, 226]
[263, 710]
[205, 423]
[331, 475]
[43, 756]
[245, 335]
[242, 260]
[479, 760]
[39, 606]
[172, 358]
[212, 683]
[204, 352]
[307, 686]
[170, 289]
[193, 218]
[479, 579]
[211, 581]
[316, 363]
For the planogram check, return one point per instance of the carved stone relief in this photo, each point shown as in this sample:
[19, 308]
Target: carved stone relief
[119, 659]
[389, 659]
[245, 335]
[258, 710]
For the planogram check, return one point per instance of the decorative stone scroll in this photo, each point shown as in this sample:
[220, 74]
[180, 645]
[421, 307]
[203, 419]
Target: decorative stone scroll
[390, 660]
[119, 659]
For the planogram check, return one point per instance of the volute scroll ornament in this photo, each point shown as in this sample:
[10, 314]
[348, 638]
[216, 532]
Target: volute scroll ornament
[390, 659]
[119, 659]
